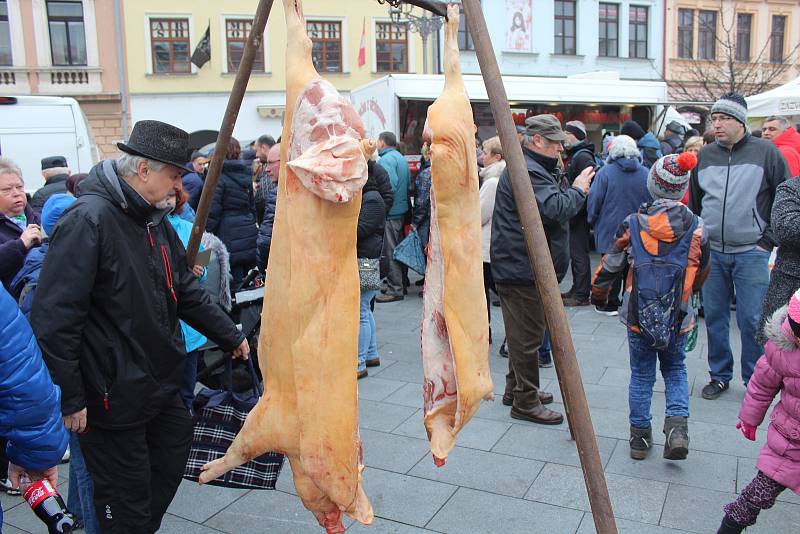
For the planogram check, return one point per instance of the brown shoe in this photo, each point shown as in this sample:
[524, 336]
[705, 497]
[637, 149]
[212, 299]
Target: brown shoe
[539, 414]
[572, 301]
[374, 362]
[544, 398]
[388, 298]
[362, 374]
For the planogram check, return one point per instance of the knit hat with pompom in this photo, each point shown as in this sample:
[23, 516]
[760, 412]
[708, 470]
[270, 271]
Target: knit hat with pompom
[669, 176]
[794, 313]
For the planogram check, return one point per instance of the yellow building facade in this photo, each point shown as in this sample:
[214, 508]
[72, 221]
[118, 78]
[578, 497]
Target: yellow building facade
[161, 36]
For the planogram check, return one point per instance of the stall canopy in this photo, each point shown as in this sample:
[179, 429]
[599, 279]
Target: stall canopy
[593, 88]
[783, 100]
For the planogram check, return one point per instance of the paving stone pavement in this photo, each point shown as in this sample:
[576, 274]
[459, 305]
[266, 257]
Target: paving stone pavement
[505, 476]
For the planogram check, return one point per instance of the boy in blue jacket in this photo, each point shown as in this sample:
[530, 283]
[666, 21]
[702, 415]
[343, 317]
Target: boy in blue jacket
[30, 405]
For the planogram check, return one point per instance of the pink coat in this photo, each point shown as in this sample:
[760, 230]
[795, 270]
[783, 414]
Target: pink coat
[778, 370]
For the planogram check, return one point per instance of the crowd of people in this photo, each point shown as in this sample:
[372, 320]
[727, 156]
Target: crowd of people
[96, 267]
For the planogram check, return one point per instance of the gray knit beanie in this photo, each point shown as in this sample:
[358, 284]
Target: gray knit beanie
[732, 104]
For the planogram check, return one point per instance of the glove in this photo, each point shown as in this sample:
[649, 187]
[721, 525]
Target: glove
[748, 431]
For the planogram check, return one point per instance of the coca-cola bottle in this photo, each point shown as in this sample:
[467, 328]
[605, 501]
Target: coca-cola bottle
[48, 506]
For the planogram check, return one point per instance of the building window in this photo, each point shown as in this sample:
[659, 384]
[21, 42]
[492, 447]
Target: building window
[236, 33]
[391, 47]
[744, 23]
[565, 27]
[707, 35]
[464, 37]
[67, 35]
[5, 36]
[776, 39]
[326, 39]
[609, 30]
[685, 33]
[637, 31]
[169, 39]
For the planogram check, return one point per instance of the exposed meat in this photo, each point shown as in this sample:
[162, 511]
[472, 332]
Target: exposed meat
[324, 152]
[455, 330]
[309, 338]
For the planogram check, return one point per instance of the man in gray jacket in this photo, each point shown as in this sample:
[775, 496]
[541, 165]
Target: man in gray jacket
[732, 189]
[523, 312]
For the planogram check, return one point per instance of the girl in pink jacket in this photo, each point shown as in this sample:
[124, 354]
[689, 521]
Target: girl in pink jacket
[779, 462]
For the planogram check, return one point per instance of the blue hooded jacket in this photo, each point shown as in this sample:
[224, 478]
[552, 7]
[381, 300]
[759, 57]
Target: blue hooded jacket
[618, 189]
[650, 149]
[30, 405]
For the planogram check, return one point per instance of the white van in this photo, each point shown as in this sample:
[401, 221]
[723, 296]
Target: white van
[36, 127]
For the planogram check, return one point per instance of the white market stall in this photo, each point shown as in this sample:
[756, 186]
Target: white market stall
[783, 100]
[397, 102]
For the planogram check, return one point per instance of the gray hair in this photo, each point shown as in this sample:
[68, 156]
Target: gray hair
[7, 166]
[784, 122]
[623, 146]
[127, 164]
[527, 139]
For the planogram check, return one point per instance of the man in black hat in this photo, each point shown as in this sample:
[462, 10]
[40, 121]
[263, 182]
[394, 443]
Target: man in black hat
[55, 173]
[113, 286]
[521, 304]
[672, 143]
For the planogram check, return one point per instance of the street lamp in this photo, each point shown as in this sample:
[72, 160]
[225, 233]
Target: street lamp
[403, 13]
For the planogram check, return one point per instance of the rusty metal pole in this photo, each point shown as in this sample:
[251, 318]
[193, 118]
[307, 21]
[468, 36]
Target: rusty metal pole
[228, 122]
[569, 373]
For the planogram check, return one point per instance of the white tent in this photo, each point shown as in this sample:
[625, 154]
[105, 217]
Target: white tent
[783, 100]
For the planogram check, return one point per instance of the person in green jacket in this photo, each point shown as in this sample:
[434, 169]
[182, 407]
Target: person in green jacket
[396, 165]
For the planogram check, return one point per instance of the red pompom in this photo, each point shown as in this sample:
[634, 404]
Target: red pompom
[687, 161]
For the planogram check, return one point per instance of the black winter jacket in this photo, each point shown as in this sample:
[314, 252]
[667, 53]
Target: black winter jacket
[672, 144]
[383, 183]
[12, 249]
[580, 157]
[104, 314]
[264, 238]
[233, 213]
[56, 184]
[510, 264]
[371, 223]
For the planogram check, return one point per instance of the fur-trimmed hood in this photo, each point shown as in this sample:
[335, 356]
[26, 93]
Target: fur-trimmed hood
[778, 331]
[223, 291]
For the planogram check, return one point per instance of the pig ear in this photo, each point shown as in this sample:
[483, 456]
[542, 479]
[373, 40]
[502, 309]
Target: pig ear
[333, 168]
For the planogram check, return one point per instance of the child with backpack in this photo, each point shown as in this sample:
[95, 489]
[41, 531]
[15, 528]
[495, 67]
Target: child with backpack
[667, 248]
[779, 462]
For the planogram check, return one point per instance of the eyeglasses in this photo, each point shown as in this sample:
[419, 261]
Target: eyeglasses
[721, 119]
[9, 191]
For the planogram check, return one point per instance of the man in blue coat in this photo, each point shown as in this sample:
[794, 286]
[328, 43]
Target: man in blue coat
[30, 405]
[397, 168]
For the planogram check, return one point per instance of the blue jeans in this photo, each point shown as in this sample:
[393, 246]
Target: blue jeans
[545, 349]
[643, 378]
[189, 380]
[80, 500]
[748, 274]
[367, 341]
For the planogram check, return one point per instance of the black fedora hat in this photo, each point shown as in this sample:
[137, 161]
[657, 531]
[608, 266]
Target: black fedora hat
[158, 141]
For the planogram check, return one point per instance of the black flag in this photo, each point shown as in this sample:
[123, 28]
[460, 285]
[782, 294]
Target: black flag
[202, 53]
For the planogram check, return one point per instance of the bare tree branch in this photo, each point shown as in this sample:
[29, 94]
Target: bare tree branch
[706, 80]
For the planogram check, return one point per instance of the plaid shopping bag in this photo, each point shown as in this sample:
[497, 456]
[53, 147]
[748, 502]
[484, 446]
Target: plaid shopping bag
[219, 415]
